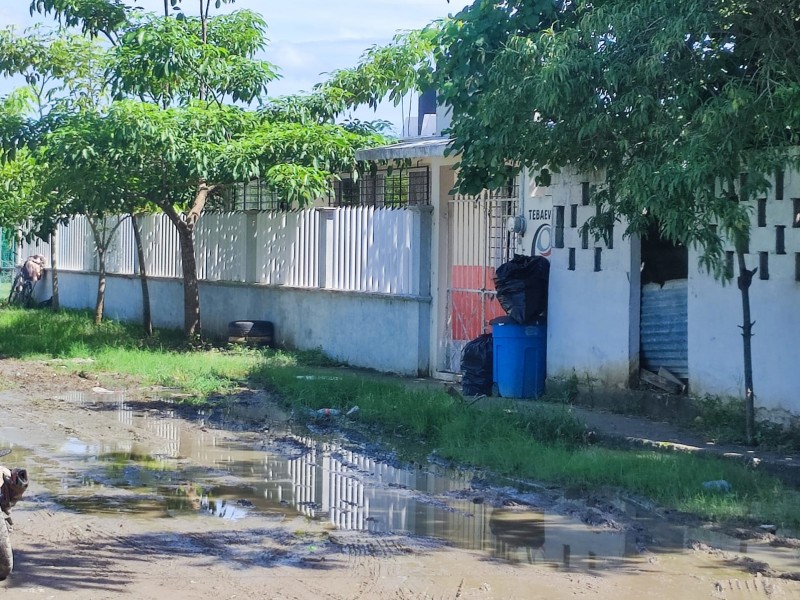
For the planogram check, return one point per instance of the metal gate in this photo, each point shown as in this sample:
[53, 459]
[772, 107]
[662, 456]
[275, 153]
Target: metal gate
[478, 243]
[664, 327]
[8, 253]
[8, 259]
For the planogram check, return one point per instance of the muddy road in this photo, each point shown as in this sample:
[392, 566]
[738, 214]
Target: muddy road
[133, 497]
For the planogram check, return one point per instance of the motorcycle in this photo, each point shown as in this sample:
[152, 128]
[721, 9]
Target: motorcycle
[12, 487]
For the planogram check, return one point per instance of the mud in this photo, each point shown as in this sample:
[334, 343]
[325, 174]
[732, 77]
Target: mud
[133, 496]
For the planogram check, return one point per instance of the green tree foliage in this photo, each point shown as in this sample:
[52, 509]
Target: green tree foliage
[93, 17]
[665, 97]
[169, 136]
[384, 72]
[673, 100]
[167, 60]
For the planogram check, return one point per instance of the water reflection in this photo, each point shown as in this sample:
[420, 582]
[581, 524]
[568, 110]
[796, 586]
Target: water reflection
[324, 480]
[281, 473]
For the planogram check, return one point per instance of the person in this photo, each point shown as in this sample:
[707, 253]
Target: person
[33, 268]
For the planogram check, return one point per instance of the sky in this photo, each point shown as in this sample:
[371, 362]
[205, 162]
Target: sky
[307, 37]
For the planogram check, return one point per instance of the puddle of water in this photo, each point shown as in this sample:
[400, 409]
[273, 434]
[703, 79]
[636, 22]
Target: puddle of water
[277, 473]
[139, 505]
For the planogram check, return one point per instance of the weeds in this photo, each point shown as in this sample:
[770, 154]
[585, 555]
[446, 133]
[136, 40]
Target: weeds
[538, 441]
[722, 419]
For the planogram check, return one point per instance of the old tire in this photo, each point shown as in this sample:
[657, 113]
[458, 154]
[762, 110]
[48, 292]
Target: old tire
[252, 332]
[250, 328]
[6, 556]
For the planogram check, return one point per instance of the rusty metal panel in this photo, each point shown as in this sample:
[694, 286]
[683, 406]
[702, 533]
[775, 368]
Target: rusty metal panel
[664, 327]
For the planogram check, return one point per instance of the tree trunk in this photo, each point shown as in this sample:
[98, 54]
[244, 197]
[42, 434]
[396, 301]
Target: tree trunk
[744, 280]
[101, 286]
[55, 305]
[185, 227]
[203, 91]
[191, 289]
[147, 321]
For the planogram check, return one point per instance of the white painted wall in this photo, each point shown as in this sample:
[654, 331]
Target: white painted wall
[715, 314]
[376, 331]
[593, 317]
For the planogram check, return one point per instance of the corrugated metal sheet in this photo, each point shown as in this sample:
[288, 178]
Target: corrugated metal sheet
[664, 327]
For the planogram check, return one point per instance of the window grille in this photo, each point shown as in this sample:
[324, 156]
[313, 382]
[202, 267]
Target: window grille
[250, 195]
[400, 187]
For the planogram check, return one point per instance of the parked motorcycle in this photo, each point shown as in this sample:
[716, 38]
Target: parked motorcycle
[12, 487]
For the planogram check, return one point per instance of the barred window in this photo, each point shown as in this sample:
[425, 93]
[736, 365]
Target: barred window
[400, 187]
[249, 195]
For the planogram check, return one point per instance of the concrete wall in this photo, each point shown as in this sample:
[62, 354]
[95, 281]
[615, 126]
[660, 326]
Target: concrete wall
[715, 314]
[388, 333]
[593, 327]
[593, 316]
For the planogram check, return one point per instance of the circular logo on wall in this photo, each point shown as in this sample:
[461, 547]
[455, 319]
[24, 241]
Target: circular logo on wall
[542, 242]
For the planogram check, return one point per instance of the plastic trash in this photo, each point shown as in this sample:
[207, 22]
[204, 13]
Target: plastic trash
[327, 412]
[476, 366]
[521, 285]
[718, 485]
[334, 412]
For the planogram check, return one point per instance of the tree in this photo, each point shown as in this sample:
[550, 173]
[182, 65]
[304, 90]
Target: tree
[170, 60]
[62, 74]
[171, 139]
[174, 152]
[673, 100]
[178, 158]
[174, 60]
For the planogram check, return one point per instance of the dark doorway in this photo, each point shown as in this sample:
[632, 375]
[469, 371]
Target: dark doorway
[663, 332]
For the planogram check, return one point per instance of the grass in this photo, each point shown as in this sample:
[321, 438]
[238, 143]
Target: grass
[119, 348]
[542, 441]
[113, 347]
[722, 419]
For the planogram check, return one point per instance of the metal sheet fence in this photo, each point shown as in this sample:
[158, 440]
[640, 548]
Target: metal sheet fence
[287, 248]
[372, 250]
[362, 249]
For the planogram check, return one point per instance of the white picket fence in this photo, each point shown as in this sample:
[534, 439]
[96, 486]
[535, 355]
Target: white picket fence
[359, 249]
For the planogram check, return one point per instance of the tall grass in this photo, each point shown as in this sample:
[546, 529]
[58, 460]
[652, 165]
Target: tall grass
[68, 334]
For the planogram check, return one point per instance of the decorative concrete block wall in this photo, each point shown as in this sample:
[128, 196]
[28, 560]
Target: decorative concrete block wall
[593, 311]
[715, 311]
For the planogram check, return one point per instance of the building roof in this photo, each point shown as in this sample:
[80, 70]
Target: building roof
[428, 147]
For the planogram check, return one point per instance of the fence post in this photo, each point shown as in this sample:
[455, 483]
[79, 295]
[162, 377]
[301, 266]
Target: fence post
[326, 238]
[421, 232]
[251, 248]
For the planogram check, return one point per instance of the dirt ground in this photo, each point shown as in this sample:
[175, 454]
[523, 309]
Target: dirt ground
[77, 537]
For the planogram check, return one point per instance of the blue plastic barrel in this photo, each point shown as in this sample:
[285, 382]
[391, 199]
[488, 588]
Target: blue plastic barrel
[520, 359]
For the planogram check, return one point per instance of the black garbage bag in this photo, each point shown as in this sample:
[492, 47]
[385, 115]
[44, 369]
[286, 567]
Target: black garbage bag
[521, 286]
[476, 366]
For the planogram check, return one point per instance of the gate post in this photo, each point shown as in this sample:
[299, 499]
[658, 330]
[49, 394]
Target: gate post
[421, 236]
[326, 239]
[251, 247]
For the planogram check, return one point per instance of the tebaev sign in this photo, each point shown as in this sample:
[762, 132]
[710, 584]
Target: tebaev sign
[537, 208]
